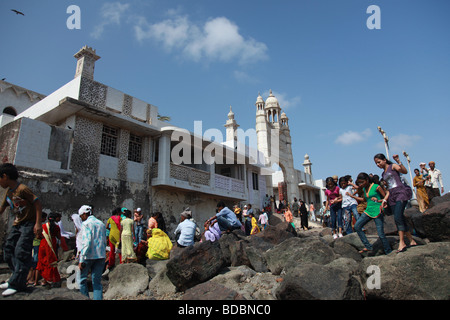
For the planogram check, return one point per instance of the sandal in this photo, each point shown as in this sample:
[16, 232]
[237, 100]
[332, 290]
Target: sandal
[402, 249]
[363, 251]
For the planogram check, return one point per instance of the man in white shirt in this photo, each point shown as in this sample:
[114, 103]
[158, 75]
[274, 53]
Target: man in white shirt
[92, 252]
[435, 179]
[186, 230]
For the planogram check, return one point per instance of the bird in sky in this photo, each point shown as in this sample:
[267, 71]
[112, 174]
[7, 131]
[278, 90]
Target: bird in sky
[17, 12]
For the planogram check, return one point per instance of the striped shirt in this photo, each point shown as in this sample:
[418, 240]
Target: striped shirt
[93, 242]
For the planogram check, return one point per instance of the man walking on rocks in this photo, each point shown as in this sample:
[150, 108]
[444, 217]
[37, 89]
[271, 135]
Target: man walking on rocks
[92, 253]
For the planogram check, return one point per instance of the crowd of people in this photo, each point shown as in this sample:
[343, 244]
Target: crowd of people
[36, 238]
[350, 206]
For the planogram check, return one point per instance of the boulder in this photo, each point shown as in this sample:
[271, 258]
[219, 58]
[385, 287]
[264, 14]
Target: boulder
[414, 219]
[295, 251]
[436, 222]
[419, 273]
[312, 281]
[195, 264]
[211, 291]
[441, 199]
[278, 233]
[127, 280]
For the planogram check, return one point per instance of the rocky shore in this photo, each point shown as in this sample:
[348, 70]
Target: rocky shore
[283, 263]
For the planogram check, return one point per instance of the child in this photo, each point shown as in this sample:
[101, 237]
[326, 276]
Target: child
[33, 275]
[113, 225]
[255, 228]
[334, 205]
[288, 217]
[263, 220]
[349, 205]
[126, 238]
[27, 209]
[376, 199]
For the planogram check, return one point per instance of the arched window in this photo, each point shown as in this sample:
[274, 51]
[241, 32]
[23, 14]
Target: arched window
[10, 110]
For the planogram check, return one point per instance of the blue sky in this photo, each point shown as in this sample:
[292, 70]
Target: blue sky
[335, 79]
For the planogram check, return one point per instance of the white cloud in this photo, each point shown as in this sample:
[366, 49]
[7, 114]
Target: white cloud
[351, 137]
[217, 39]
[400, 142]
[111, 14]
[283, 99]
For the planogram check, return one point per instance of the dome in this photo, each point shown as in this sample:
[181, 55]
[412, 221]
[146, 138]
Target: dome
[259, 99]
[283, 115]
[271, 101]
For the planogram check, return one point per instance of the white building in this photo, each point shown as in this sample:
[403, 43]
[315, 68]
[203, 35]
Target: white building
[88, 143]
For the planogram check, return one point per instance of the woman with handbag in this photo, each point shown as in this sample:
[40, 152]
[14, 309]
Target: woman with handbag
[399, 195]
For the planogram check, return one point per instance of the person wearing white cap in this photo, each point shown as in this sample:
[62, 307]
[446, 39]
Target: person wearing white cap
[93, 252]
[185, 231]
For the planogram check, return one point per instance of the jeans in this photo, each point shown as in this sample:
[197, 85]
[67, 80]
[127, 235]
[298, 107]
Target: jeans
[347, 215]
[96, 267]
[18, 254]
[398, 209]
[379, 221]
[138, 232]
[336, 216]
[225, 225]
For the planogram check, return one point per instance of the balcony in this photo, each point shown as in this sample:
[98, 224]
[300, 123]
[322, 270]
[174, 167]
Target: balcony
[191, 179]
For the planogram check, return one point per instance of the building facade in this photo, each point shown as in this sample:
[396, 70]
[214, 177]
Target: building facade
[88, 143]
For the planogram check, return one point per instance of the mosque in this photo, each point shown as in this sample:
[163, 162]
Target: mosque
[88, 143]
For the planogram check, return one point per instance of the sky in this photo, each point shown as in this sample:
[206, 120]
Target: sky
[335, 78]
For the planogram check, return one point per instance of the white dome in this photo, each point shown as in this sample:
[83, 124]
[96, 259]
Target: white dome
[272, 101]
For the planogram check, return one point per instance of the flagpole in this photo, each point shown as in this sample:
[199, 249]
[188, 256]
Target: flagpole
[386, 141]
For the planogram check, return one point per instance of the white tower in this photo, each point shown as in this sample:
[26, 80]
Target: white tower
[231, 128]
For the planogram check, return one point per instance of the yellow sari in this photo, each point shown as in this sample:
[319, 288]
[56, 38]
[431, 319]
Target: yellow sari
[159, 245]
[422, 196]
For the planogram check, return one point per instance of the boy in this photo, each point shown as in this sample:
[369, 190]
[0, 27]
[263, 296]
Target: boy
[27, 209]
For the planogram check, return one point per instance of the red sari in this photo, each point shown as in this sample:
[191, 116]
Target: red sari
[47, 258]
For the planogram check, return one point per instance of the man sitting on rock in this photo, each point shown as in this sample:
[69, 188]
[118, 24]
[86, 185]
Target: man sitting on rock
[226, 218]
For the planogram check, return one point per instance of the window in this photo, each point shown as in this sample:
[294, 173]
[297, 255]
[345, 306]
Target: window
[135, 148]
[255, 181]
[109, 141]
[10, 110]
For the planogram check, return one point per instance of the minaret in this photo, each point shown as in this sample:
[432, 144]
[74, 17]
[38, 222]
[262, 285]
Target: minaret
[262, 129]
[231, 127]
[307, 164]
[273, 110]
[86, 58]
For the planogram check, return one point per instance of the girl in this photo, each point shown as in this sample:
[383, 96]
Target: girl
[349, 205]
[263, 220]
[126, 237]
[334, 205]
[399, 194]
[255, 228]
[113, 225]
[47, 256]
[376, 199]
[421, 192]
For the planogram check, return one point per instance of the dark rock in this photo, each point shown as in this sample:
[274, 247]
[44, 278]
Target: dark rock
[195, 264]
[211, 291]
[421, 272]
[313, 281]
[295, 251]
[436, 222]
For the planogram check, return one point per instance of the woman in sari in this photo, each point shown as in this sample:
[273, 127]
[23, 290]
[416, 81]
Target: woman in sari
[47, 259]
[421, 191]
[113, 225]
[159, 245]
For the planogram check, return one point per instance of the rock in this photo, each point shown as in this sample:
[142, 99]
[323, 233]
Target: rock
[211, 291]
[127, 280]
[345, 249]
[248, 283]
[296, 251]
[441, 199]
[278, 233]
[422, 273]
[160, 284]
[195, 264]
[314, 281]
[436, 222]
[414, 219]
[390, 227]
[46, 293]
